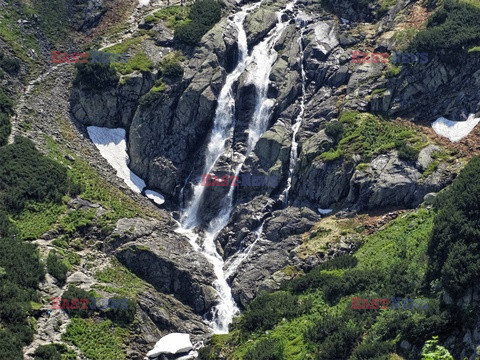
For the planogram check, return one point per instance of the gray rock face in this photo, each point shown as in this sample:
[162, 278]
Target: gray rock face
[324, 39]
[168, 313]
[165, 260]
[264, 260]
[288, 222]
[425, 156]
[113, 107]
[272, 252]
[319, 176]
[387, 181]
[87, 14]
[245, 220]
[169, 132]
[454, 87]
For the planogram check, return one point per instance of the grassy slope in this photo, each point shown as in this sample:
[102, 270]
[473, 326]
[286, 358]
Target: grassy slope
[403, 240]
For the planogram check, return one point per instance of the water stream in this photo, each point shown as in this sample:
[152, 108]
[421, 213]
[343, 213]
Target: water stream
[258, 66]
[298, 121]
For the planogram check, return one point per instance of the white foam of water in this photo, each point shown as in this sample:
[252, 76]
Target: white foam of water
[455, 130]
[235, 261]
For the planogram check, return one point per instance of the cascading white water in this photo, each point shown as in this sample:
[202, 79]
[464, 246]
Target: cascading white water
[236, 260]
[222, 128]
[261, 60]
[298, 120]
[224, 115]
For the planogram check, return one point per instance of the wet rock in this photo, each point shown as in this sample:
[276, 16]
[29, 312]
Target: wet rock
[259, 23]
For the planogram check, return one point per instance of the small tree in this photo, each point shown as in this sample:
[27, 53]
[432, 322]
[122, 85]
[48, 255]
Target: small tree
[56, 268]
[95, 76]
[432, 351]
[334, 129]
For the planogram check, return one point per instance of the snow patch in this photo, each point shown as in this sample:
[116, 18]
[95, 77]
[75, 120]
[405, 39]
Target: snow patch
[155, 196]
[113, 147]
[324, 211]
[455, 130]
[143, 2]
[174, 343]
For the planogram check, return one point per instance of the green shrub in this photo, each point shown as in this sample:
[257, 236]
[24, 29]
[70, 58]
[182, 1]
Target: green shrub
[453, 248]
[95, 76]
[190, 32]
[267, 310]
[266, 349]
[9, 64]
[334, 129]
[53, 352]
[10, 346]
[170, 65]
[433, 351]
[21, 262]
[203, 15]
[406, 152]
[355, 4]
[174, 15]
[206, 12]
[393, 70]
[5, 128]
[96, 340]
[119, 314]
[74, 292]
[7, 228]
[56, 268]
[372, 350]
[332, 154]
[20, 274]
[453, 26]
[172, 69]
[27, 175]
[6, 104]
[368, 136]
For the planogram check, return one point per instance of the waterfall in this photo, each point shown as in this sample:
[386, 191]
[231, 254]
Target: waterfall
[298, 121]
[258, 66]
[224, 116]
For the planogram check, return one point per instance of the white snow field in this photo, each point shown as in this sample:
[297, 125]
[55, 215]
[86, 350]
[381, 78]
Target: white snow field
[455, 130]
[143, 2]
[324, 211]
[113, 147]
[174, 343]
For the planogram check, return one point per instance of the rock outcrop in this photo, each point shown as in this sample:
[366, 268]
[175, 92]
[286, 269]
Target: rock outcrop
[164, 259]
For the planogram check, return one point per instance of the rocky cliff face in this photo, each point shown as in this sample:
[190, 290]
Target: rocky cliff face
[168, 135]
